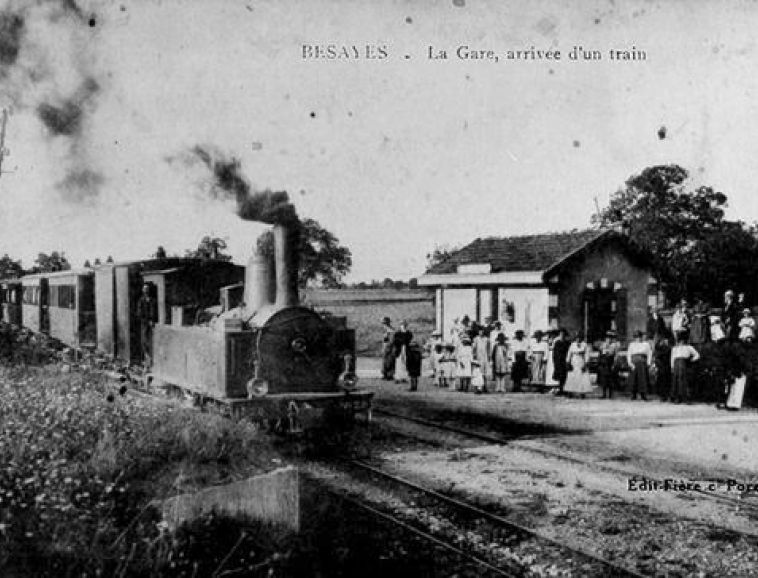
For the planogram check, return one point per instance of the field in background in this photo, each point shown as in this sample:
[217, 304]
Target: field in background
[365, 309]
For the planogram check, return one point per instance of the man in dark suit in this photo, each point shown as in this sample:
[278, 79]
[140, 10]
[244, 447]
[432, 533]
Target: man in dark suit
[147, 313]
[730, 317]
[656, 326]
[560, 365]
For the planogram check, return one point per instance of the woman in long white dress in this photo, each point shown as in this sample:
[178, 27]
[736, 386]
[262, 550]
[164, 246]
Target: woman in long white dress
[578, 380]
[465, 355]
[538, 353]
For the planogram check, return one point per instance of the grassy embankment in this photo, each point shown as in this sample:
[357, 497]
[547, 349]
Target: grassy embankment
[80, 464]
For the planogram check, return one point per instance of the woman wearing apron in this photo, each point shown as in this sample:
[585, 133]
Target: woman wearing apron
[682, 354]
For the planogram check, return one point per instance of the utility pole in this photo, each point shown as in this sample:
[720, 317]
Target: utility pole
[4, 152]
[597, 209]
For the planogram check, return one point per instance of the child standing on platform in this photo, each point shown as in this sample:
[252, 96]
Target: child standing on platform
[448, 365]
[431, 347]
[438, 362]
[477, 378]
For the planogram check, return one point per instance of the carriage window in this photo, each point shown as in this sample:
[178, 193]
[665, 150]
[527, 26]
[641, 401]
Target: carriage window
[30, 295]
[63, 296]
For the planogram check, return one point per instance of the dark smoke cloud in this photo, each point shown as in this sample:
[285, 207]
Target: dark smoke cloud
[31, 80]
[81, 186]
[11, 35]
[272, 207]
[72, 7]
[66, 118]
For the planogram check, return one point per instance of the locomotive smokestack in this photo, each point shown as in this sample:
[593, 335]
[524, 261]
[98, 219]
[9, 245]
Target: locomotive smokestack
[259, 280]
[286, 238]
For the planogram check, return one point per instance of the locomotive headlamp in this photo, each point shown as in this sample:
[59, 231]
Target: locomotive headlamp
[256, 386]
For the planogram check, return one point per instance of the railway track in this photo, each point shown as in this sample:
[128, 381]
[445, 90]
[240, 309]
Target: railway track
[751, 509]
[434, 541]
[576, 562]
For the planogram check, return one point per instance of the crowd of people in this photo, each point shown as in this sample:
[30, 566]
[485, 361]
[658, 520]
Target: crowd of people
[674, 349]
[481, 358]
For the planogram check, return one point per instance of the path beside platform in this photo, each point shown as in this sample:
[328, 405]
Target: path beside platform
[696, 439]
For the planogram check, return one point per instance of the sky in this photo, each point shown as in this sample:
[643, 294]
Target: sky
[393, 155]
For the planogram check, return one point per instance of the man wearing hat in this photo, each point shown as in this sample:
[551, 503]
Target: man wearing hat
[561, 346]
[605, 364]
[639, 354]
[496, 329]
[520, 368]
[388, 350]
[662, 364]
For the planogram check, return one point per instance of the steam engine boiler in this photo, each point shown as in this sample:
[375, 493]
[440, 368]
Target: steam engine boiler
[268, 357]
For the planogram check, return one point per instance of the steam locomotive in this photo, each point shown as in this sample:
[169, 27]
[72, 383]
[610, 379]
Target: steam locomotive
[233, 338]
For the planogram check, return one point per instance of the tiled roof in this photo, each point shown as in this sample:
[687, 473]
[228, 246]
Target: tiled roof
[527, 253]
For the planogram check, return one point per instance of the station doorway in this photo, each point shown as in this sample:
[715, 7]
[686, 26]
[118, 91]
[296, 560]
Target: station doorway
[603, 310]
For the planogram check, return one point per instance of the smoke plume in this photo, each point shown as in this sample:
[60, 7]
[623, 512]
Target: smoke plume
[11, 33]
[46, 48]
[65, 119]
[81, 186]
[272, 207]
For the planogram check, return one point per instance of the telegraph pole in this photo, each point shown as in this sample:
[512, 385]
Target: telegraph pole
[4, 152]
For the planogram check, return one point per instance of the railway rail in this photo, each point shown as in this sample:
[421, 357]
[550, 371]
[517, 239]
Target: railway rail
[738, 503]
[581, 563]
[433, 540]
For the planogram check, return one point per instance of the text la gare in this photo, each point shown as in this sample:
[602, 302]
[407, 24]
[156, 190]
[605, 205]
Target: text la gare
[344, 51]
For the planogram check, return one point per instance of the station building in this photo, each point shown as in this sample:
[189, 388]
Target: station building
[589, 280]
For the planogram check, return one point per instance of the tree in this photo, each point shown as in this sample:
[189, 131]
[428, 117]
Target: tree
[682, 229]
[87, 264]
[10, 269]
[209, 248]
[50, 263]
[323, 261]
[439, 254]
[160, 252]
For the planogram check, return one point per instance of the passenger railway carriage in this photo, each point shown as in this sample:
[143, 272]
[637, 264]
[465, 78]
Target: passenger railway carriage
[10, 301]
